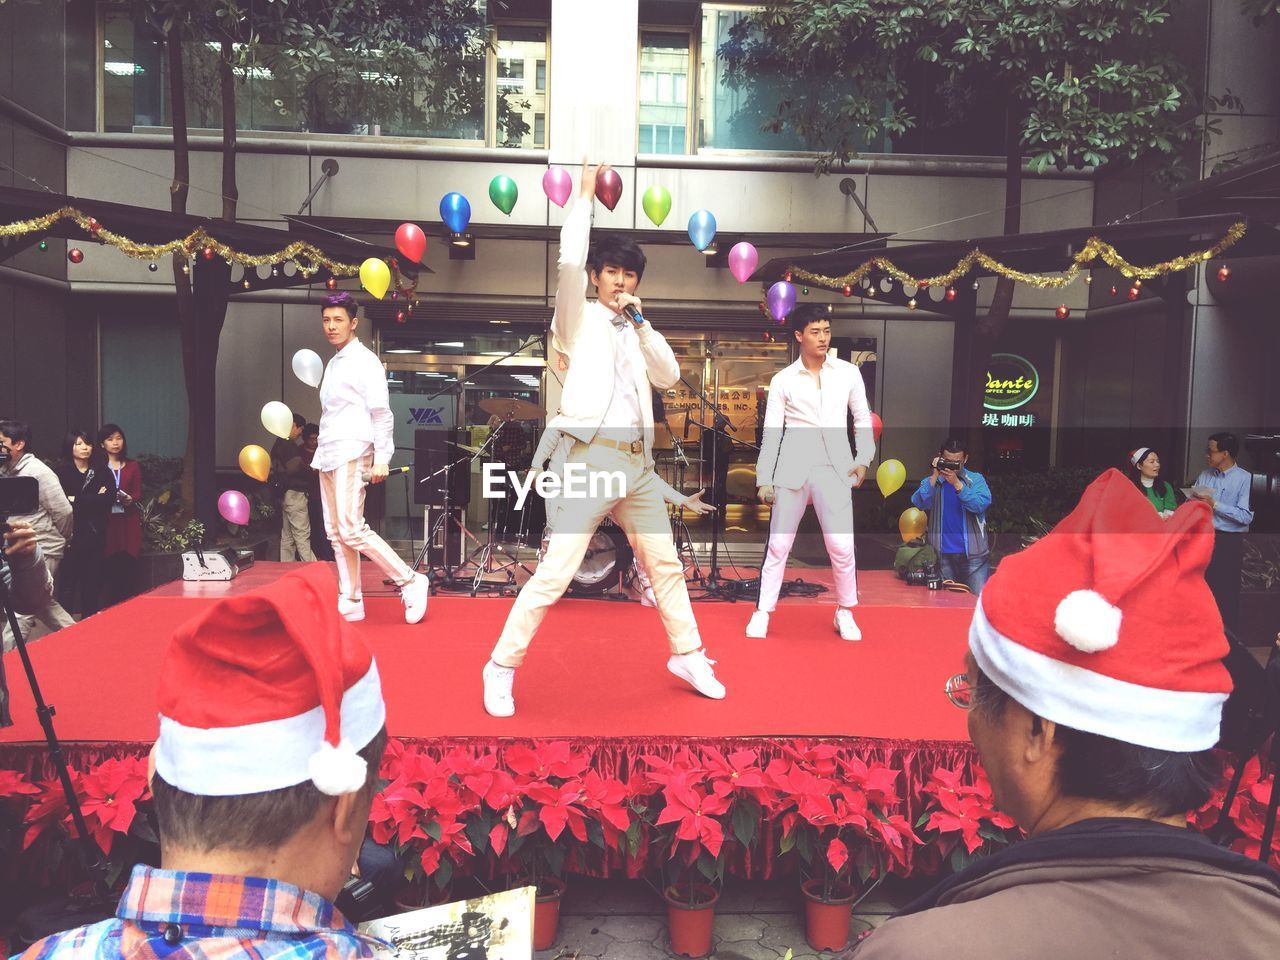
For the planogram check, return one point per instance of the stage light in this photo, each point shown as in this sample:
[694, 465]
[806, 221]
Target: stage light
[462, 246]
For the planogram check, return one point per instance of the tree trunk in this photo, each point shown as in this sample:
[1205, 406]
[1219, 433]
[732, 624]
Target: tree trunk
[989, 328]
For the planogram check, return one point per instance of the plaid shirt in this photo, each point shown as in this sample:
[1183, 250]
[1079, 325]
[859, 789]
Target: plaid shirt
[194, 916]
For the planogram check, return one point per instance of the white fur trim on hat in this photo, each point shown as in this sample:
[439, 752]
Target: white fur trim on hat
[1182, 721]
[256, 757]
[337, 770]
[1087, 621]
[1136, 457]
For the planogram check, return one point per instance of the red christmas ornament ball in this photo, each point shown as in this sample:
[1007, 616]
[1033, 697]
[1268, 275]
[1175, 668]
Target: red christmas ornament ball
[847, 291]
[399, 316]
[787, 276]
[331, 283]
[1224, 273]
[1114, 291]
[75, 254]
[94, 225]
[207, 253]
[951, 294]
[1063, 311]
[1134, 293]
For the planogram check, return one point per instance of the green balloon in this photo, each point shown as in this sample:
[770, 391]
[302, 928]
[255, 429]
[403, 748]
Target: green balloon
[657, 204]
[503, 193]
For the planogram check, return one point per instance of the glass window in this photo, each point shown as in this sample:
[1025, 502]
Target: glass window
[521, 86]
[540, 76]
[539, 128]
[664, 92]
[730, 118]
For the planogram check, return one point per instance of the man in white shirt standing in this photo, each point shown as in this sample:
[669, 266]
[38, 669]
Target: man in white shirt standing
[606, 410]
[805, 458]
[355, 448]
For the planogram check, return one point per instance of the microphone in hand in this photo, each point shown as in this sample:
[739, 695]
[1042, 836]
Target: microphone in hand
[366, 476]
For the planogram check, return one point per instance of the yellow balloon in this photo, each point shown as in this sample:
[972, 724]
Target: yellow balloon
[890, 475]
[255, 462]
[375, 277]
[912, 524]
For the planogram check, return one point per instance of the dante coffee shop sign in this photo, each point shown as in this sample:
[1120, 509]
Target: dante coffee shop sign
[1012, 382]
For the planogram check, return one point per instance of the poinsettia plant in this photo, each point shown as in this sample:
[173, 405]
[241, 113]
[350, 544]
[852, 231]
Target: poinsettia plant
[841, 816]
[1248, 814]
[961, 820]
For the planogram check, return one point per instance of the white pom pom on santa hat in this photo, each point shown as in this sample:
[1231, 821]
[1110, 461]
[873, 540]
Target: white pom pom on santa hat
[337, 770]
[1087, 621]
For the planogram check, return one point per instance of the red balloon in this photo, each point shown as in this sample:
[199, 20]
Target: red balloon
[609, 188]
[877, 426]
[411, 241]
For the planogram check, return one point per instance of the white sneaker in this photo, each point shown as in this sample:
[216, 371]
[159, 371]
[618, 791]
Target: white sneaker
[845, 626]
[695, 669]
[351, 610]
[498, 681]
[758, 625]
[414, 595]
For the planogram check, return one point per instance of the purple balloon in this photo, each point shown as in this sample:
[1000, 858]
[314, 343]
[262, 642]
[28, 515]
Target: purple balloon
[782, 300]
[742, 261]
[557, 185]
[233, 506]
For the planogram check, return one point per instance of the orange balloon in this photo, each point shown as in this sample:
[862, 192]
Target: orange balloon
[255, 462]
[912, 524]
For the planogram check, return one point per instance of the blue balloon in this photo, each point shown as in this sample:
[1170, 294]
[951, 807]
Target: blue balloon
[702, 229]
[455, 211]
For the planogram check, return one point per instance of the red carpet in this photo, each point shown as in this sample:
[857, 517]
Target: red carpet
[596, 670]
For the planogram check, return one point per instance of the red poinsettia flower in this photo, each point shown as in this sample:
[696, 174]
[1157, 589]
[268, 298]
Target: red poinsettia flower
[395, 813]
[544, 760]
[558, 807]
[50, 808]
[694, 810]
[109, 794]
[606, 797]
[737, 773]
[392, 757]
[13, 784]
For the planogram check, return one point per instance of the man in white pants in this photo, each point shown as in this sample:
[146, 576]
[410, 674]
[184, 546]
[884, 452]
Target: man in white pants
[606, 409]
[805, 458]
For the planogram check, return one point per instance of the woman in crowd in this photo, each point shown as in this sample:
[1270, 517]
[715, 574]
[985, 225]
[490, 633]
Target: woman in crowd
[1144, 471]
[124, 526]
[91, 487]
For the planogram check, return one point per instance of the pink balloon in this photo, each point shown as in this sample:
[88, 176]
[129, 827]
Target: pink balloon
[411, 241]
[233, 506]
[557, 185]
[742, 261]
[877, 426]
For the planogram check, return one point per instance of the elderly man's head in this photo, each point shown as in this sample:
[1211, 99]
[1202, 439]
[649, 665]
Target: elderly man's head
[1094, 677]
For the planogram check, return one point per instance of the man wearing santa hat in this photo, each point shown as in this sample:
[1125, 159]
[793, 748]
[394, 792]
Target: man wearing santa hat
[1094, 689]
[271, 735]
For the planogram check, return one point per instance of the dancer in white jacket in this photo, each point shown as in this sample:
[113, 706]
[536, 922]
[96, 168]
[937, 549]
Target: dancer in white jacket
[805, 458]
[606, 409]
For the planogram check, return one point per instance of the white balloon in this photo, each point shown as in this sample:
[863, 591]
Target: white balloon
[308, 367]
[278, 419]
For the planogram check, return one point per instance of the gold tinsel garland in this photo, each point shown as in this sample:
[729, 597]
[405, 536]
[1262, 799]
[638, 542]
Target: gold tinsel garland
[309, 258]
[1095, 248]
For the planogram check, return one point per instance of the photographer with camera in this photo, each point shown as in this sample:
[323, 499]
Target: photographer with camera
[51, 519]
[28, 583]
[956, 500]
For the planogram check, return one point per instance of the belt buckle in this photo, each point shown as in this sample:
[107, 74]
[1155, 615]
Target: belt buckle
[637, 446]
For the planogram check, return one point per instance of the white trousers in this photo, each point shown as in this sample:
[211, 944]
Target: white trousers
[833, 502]
[295, 527]
[342, 497]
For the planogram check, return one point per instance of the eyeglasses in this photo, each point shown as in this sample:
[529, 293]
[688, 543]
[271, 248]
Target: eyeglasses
[959, 691]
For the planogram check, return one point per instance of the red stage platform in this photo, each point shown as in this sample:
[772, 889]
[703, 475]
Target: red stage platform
[595, 672]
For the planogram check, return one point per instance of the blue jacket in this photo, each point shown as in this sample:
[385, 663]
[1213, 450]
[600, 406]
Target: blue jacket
[975, 497]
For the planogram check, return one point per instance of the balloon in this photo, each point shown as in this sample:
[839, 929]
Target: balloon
[912, 524]
[233, 506]
[256, 462]
[557, 185]
[609, 188]
[702, 229]
[657, 204]
[877, 426]
[278, 419]
[308, 367]
[455, 211]
[375, 277]
[782, 300]
[890, 475]
[411, 241]
[503, 193]
[743, 258]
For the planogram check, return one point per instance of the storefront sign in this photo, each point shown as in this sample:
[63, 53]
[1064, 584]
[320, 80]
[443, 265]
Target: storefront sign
[1011, 382]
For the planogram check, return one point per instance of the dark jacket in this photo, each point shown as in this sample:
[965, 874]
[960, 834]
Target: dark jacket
[975, 498]
[91, 494]
[1123, 888]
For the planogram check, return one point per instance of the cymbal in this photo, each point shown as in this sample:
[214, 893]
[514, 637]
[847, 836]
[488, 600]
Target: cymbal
[463, 446]
[511, 408]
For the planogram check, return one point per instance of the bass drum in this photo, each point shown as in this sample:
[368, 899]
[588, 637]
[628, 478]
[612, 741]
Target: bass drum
[608, 556]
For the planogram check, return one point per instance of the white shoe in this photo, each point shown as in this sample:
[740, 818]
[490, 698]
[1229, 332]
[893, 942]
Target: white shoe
[498, 681]
[414, 595]
[351, 610]
[695, 669]
[845, 626]
[758, 625]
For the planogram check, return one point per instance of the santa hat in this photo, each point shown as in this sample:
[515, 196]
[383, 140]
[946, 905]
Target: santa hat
[1106, 624]
[1135, 457]
[267, 690]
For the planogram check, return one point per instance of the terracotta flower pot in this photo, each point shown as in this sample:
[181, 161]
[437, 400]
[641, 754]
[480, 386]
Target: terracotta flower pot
[689, 918]
[827, 920]
[546, 912]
